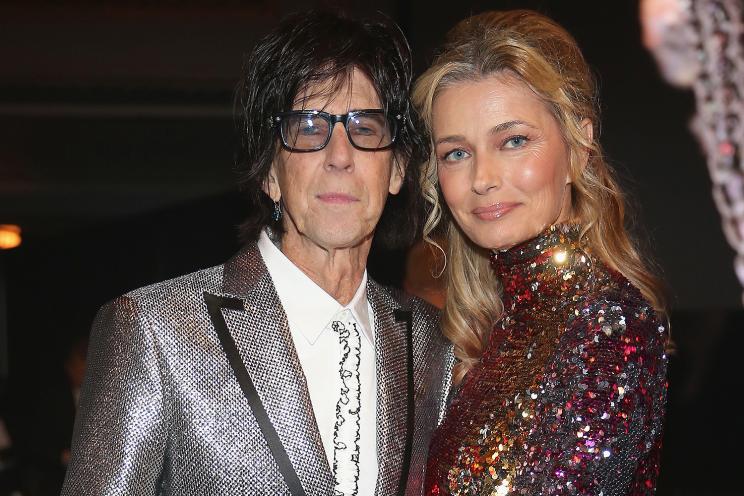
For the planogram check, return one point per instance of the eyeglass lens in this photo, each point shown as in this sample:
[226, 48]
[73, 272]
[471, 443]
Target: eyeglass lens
[312, 131]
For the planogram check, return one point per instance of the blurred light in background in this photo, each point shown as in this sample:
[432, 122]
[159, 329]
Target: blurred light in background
[10, 236]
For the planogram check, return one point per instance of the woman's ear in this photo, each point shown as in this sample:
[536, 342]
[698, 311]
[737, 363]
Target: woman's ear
[587, 130]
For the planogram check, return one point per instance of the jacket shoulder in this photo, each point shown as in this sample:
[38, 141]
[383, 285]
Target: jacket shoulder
[178, 290]
[421, 309]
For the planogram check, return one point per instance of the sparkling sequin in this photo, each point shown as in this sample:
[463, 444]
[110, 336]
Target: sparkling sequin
[569, 395]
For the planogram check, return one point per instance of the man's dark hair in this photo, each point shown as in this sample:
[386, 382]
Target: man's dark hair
[322, 47]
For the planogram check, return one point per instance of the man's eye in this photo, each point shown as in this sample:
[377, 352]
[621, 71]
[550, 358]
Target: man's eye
[364, 131]
[515, 141]
[456, 155]
[308, 128]
[362, 128]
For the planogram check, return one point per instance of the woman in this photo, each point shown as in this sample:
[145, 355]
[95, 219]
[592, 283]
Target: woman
[555, 319]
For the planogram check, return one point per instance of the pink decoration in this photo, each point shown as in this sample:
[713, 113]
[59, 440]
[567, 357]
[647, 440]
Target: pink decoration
[698, 44]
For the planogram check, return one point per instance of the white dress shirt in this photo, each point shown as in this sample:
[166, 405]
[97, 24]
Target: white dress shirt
[309, 311]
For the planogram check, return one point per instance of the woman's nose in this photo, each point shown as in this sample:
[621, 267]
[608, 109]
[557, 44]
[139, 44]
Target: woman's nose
[486, 176]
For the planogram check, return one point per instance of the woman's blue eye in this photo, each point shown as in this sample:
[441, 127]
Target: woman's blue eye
[456, 155]
[515, 142]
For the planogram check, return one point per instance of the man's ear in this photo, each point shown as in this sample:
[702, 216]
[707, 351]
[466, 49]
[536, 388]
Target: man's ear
[587, 129]
[271, 185]
[397, 174]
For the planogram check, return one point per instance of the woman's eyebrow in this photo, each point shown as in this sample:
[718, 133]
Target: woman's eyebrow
[455, 138]
[508, 125]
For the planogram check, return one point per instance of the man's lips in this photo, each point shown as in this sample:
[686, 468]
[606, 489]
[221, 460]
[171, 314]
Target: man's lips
[495, 211]
[336, 198]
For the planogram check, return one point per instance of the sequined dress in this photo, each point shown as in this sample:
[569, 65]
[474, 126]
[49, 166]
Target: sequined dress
[569, 395]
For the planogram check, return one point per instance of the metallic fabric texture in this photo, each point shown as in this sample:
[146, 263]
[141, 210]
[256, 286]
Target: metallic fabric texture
[569, 395]
[161, 411]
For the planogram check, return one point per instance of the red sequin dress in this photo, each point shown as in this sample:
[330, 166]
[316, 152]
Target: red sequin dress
[569, 395]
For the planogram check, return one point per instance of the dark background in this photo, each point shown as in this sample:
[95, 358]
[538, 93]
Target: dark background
[116, 155]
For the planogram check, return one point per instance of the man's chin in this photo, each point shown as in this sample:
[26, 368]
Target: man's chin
[337, 237]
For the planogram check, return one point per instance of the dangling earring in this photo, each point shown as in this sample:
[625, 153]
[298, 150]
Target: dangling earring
[277, 212]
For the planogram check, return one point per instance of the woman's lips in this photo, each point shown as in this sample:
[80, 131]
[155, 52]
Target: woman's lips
[495, 211]
[336, 198]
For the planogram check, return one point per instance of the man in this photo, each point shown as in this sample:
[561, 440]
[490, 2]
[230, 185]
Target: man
[286, 370]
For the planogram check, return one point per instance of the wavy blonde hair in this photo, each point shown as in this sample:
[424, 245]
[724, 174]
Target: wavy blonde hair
[540, 53]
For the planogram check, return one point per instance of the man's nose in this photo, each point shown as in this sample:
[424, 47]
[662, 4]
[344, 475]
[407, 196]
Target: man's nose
[339, 150]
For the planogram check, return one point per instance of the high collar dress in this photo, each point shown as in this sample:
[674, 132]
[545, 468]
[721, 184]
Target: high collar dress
[569, 395]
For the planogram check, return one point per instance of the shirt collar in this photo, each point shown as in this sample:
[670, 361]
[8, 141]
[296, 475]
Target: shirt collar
[308, 307]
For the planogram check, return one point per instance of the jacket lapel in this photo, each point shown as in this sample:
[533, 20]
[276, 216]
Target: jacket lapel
[261, 334]
[394, 420]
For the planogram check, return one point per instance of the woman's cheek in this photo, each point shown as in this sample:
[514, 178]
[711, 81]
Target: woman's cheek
[541, 176]
[452, 185]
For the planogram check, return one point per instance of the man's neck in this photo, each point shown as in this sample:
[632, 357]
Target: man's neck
[338, 271]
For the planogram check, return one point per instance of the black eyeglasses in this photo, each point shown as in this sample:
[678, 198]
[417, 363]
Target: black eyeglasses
[310, 130]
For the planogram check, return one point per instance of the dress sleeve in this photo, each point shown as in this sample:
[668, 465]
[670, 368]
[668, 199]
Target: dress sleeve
[120, 436]
[602, 434]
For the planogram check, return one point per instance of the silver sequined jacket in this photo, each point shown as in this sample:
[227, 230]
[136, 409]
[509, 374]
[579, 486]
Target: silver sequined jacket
[161, 411]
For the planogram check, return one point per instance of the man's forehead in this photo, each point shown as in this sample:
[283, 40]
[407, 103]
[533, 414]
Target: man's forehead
[347, 88]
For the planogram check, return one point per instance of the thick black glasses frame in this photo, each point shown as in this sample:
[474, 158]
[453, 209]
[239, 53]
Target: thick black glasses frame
[276, 122]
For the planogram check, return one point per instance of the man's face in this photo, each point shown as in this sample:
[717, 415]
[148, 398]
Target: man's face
[332, 198]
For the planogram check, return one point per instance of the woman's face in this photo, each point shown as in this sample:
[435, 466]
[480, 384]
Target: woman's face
[502, 163]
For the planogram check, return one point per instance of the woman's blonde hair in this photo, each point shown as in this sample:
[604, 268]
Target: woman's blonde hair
[540, 53]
